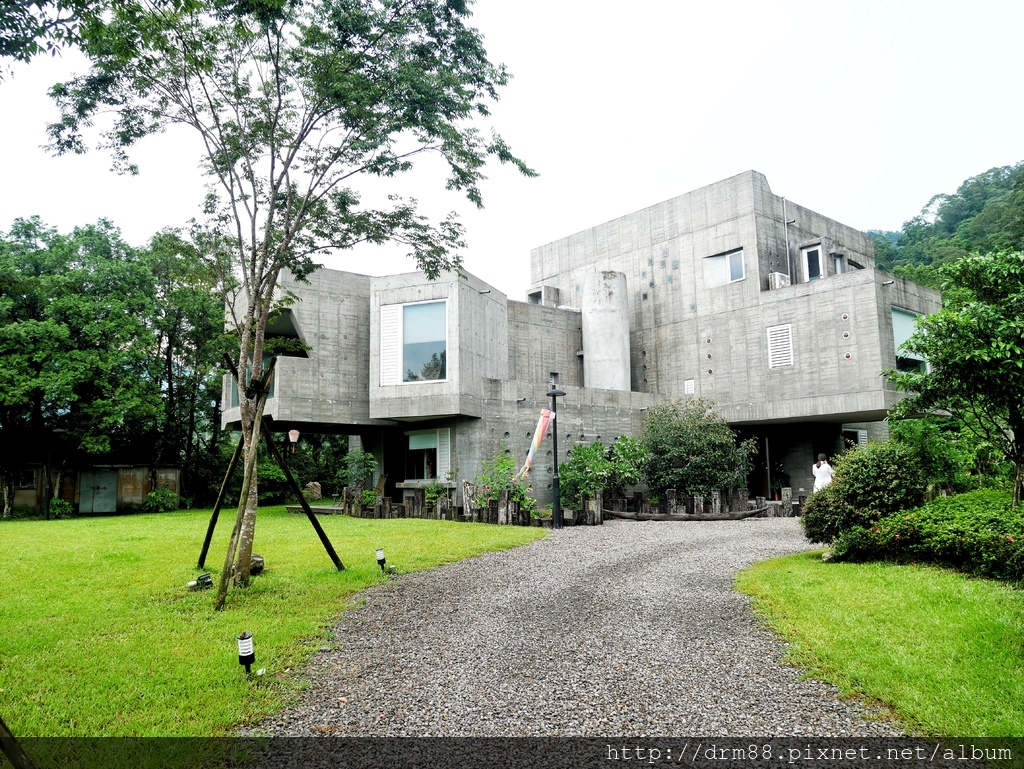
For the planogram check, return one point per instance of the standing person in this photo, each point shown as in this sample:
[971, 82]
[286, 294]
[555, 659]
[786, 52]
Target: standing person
[823, 473]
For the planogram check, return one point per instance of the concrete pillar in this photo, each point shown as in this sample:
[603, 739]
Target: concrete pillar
[605, 316]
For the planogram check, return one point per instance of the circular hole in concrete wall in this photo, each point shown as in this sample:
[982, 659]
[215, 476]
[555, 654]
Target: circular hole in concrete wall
[507, 434]
[846, 316]
[709, 356]
[582, 437]
[528, 433]
[711, 371]
[846, 335]
[848, 356]
[569, 437]
[707, 341]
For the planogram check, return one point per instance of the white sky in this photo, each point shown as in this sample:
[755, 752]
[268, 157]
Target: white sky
[860, 110]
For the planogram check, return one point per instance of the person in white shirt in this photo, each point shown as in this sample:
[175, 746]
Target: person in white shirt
[823, 473]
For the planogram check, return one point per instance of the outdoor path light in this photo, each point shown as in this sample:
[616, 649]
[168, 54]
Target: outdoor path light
[380, 558]
[556, 507]
[246, 655]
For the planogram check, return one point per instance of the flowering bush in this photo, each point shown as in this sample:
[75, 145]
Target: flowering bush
[978, 533]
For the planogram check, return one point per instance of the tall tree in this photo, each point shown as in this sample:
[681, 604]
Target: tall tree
[293, 105]
[74, 341]
[975, 351]
[189, 324]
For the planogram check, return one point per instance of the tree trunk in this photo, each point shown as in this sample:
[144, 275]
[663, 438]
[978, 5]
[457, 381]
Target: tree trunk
[247, 500]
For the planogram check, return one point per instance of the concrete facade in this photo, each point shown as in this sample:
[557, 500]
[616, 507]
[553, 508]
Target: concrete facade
[731, 293]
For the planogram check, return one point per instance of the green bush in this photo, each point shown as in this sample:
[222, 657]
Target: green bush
[61, 508]
[692, 449]
[499, 474]
[160, 501]
[870, 482]
[585, 470]
[978, 533]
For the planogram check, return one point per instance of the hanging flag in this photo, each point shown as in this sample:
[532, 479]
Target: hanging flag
[538, 435]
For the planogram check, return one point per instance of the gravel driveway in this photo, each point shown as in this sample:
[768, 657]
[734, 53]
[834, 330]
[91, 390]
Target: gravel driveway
[626, 629]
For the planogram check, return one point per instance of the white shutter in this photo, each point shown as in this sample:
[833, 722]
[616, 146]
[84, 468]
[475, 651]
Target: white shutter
[444, 453]
[390, 344]
[780, 346]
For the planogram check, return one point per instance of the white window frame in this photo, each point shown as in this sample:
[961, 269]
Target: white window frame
[712, 274]
[442, 438]
[392, 344]
[780, 345]
[805, 255]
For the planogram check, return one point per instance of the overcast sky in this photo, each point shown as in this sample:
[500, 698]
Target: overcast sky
[859, 110]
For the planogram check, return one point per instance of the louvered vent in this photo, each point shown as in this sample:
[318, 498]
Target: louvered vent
[780, 346]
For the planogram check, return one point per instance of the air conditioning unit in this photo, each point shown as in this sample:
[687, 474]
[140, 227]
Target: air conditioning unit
[777, 280]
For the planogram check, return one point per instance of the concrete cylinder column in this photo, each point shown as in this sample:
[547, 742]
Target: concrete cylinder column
[605, 312]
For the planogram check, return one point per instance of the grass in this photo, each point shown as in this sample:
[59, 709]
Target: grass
[100, 637]
[941, 649]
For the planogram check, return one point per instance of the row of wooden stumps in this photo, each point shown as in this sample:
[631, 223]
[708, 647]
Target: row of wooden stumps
[262, 387]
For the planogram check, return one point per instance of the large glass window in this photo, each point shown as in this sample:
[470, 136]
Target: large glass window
[903, 323]
[424, 342]
[723, 269]
[429, 455]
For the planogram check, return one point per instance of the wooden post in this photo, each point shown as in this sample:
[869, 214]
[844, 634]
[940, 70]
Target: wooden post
[232, 466]
[741, 502]
[598, 518]
[302, 500]
[503, 507]
[12, 749]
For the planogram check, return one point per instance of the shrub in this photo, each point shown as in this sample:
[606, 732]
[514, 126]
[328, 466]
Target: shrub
[870, 482]
[978, 533]
[61, 508]
[160, 501]
[692, 449]
[358, 465]
[499, 474]
[585, 470]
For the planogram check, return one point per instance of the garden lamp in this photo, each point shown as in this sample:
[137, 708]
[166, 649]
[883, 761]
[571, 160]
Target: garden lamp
[380, 558]
[246, 655]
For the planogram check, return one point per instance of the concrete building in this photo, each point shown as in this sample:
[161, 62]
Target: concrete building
[731, 293]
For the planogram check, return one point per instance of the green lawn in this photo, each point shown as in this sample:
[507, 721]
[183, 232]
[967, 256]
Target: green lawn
[100, 637]
[944, 651]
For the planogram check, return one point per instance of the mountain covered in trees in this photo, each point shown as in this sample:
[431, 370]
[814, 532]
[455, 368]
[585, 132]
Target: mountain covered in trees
[985, 214]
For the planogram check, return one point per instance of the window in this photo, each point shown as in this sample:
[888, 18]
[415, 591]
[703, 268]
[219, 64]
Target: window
[413, 342]
[814, 266]
[248, 374]
[722, 269]
[780, 346]
[689, 387]
[429, 455]
[903, 322]
[837, 261]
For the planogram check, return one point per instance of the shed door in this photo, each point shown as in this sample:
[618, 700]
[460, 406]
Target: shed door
[99, 492]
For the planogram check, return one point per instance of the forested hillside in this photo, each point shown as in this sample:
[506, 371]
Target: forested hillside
[986, 213]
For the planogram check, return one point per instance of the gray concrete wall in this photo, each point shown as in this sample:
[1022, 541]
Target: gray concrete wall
[329, 387]
[541, 340]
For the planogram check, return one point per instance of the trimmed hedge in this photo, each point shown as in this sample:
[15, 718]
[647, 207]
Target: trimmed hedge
[870, 482]
[977, 533]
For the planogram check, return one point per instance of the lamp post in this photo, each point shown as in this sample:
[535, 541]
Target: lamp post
[556, 507]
